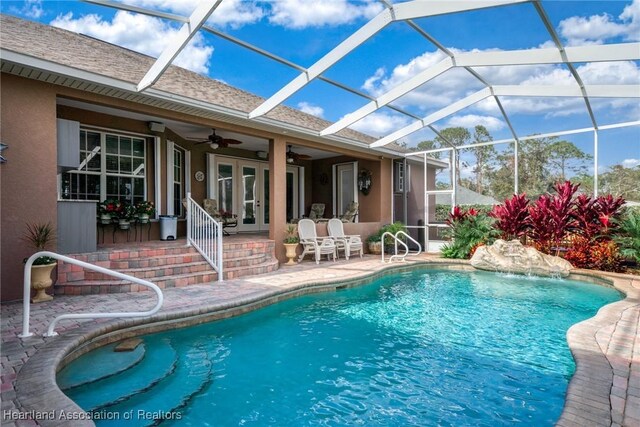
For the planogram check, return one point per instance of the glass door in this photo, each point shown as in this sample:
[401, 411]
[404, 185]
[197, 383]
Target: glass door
[248, 212]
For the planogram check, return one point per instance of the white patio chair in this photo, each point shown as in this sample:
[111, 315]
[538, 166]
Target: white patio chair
[312, 244]
[348, 244]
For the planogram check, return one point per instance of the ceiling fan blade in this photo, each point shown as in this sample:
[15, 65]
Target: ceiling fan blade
[231, 141]
[303, 157]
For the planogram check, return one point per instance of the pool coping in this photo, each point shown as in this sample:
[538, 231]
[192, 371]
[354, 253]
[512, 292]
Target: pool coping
[589, 399]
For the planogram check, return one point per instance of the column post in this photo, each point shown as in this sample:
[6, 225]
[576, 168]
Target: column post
[278, 194]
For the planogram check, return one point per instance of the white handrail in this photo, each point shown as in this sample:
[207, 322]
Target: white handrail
[396, 241]
[50, 331]
[205, 234]
[413, 240]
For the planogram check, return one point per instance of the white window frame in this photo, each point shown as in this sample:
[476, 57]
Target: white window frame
[103, 132]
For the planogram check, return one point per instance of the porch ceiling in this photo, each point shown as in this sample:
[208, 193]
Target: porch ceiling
[193, 131]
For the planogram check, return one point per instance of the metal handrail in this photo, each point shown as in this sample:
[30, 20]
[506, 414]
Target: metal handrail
[50, 331]
[413, 240]
[205, 234]
[396, 241]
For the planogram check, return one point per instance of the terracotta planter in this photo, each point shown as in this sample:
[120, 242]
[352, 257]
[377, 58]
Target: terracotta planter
[291, 252]
[375, 248]
[41, 280]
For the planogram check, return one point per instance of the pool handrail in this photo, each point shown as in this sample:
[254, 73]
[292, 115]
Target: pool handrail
[50, 331]
[396, 241]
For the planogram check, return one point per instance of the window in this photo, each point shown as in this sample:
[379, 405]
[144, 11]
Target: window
[178, 181]
[399, 177]
[112, 166]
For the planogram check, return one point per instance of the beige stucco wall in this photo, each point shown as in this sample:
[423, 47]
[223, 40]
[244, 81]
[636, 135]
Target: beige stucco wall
[28, 182]
[28, 190]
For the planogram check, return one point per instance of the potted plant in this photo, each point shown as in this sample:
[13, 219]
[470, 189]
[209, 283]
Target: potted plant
[40, 236]
[125, 215]
[374, 243]
[291, 243]
[108, 209]
[145, 209]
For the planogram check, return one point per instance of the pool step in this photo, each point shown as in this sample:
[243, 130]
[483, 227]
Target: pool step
[157, 364]
[173, 266]
[193, 374]
[104, 363]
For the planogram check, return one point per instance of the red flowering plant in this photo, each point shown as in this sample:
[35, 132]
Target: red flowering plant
[109, 207]
[512, 217]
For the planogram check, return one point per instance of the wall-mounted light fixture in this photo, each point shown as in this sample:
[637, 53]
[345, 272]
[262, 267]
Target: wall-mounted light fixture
[156, 127]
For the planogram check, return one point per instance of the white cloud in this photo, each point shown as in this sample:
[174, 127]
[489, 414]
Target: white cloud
[30, 9]
[470, 121]
[313, 13]
[309, 108]
[232, 13]
[140, 33]
[597, 29]
[379, 124]
[630, 163]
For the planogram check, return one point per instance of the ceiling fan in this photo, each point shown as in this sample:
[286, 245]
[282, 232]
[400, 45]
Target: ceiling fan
[216, 141]
[294, 157]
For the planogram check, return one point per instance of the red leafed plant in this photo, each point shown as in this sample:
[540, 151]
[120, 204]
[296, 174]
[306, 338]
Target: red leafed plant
[599, 255]
[608, 209]
[512, 217]
[551, 217]
[585, 213]
[457, 215]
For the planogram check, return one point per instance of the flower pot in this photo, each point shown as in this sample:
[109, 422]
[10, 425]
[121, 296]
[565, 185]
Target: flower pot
[291, 252]
[105, 218]
[143, 218]
[124, 224]
[41, 280]
[375, 248]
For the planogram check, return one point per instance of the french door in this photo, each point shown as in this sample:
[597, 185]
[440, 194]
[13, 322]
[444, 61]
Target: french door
[243, 189]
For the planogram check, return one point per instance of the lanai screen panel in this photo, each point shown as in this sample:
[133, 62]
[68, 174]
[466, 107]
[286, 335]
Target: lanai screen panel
[619, 163]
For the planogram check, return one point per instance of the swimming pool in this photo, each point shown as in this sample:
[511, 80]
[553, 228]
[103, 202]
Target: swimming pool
[421, 348]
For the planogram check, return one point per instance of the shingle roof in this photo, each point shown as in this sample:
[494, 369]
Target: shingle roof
[89, 54]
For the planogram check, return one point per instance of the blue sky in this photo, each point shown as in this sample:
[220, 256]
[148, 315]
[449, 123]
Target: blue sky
[302, 31]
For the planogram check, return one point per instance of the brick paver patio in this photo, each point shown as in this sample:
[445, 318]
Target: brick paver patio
[605, 389]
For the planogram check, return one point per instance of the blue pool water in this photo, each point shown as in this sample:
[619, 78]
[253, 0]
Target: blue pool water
[421, 348]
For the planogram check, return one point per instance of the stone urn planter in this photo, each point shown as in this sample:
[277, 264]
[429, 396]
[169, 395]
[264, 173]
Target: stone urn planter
[41, 281]
[375, 248]
[291, 253]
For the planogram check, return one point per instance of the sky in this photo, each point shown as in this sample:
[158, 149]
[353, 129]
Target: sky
[302, 31]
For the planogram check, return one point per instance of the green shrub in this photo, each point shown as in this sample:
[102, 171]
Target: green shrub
[468, 231]
[627, 235]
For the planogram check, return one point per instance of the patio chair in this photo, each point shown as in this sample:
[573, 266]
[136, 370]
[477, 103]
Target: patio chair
[350, 213]
[348, 244]
[211, 207]
[315, 213]
[312, 244]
